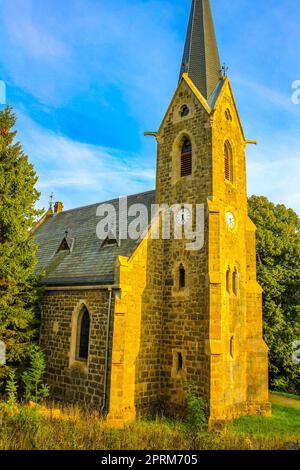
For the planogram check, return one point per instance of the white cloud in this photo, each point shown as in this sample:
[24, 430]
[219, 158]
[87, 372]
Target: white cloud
[36, 43]
[80, 173]
[274, 170]
[274, 97]
[28, 34]
[56, 58]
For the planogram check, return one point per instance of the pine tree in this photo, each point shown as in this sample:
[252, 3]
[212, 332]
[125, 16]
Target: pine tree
[19, 290]
[278, 271]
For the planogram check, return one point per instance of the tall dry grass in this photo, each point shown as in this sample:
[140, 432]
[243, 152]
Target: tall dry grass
[72, 428]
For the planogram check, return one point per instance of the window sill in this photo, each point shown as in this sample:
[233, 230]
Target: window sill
[181, 292]
[179, 375]
[231, 295]
[182, 179]
[82, 366]
[230, 184]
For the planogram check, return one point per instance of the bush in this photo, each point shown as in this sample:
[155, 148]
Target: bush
[11, 388]
[27, 419]
[196, 418]
[35, 390]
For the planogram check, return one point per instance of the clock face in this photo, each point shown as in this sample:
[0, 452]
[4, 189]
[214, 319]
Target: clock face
[183, 216]
[230, 220]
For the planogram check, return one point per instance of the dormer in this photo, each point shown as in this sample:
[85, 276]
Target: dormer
[66, 244]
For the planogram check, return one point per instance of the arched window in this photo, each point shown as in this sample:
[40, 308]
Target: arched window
[186, 158]
[235, 281]
[228, 115]
[83, 334]
[228, 161]
[232, 346]
[228, 280]
[182, 280]
[179, 362]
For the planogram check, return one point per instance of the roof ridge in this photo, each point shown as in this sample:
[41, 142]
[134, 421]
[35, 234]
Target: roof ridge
[105, 202]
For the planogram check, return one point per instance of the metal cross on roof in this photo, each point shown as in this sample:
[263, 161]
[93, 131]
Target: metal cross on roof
[224, 70]
[51, 201]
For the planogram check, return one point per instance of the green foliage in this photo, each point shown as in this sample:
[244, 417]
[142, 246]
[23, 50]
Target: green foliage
[196, 417]
[29, 418]
[278, 270]
[11, 388]
[35, 390]
[283, 420]
[26, 423]
[18, 286]
[287, 395]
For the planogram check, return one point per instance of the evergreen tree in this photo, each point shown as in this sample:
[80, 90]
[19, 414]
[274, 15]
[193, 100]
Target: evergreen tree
[278, 269]
[19, 290]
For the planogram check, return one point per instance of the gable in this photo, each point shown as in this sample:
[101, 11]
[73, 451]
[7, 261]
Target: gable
[188, 93]
[225, 99]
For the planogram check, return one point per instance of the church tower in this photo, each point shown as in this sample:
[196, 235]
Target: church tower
[211, 303]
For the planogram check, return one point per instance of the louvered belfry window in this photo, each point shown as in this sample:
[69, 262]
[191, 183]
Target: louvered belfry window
[186, 158]
[228, 161]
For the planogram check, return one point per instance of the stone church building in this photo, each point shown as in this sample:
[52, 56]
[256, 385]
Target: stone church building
[127, 324]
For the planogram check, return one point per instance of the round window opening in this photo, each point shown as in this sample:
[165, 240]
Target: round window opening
[184, 111]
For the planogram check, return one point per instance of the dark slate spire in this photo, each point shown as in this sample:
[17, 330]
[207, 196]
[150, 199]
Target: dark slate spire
[201, 56]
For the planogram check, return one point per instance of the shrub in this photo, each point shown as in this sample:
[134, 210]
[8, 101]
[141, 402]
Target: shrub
[35, 390]
[11, 388]
[196, 418]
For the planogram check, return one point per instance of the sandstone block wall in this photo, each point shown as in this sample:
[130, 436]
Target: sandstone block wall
[74, 382]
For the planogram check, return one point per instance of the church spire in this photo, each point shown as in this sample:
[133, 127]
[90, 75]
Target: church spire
[201, 56]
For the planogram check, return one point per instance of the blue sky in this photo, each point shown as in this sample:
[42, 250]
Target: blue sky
[88, 77]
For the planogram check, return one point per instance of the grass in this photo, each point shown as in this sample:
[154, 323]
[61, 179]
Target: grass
[285, 394]
[282, 428]
[75, 429]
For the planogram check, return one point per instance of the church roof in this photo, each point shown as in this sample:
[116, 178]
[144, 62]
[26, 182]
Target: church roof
[201, 56]
[215, 95]
[89, 261]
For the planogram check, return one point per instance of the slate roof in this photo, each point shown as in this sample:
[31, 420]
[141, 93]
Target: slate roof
[88, 262]
[215, 94]
[201, 56]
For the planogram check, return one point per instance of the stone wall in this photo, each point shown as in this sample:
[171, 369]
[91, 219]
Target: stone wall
[242, 361]
[71, 381]
[131, 378]
[148, 362]
[185, 318]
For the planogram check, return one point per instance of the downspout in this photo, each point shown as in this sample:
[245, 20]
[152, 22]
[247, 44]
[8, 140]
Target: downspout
[104, 398]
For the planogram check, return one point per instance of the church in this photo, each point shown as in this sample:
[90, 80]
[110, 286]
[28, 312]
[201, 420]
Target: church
[128, 324]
